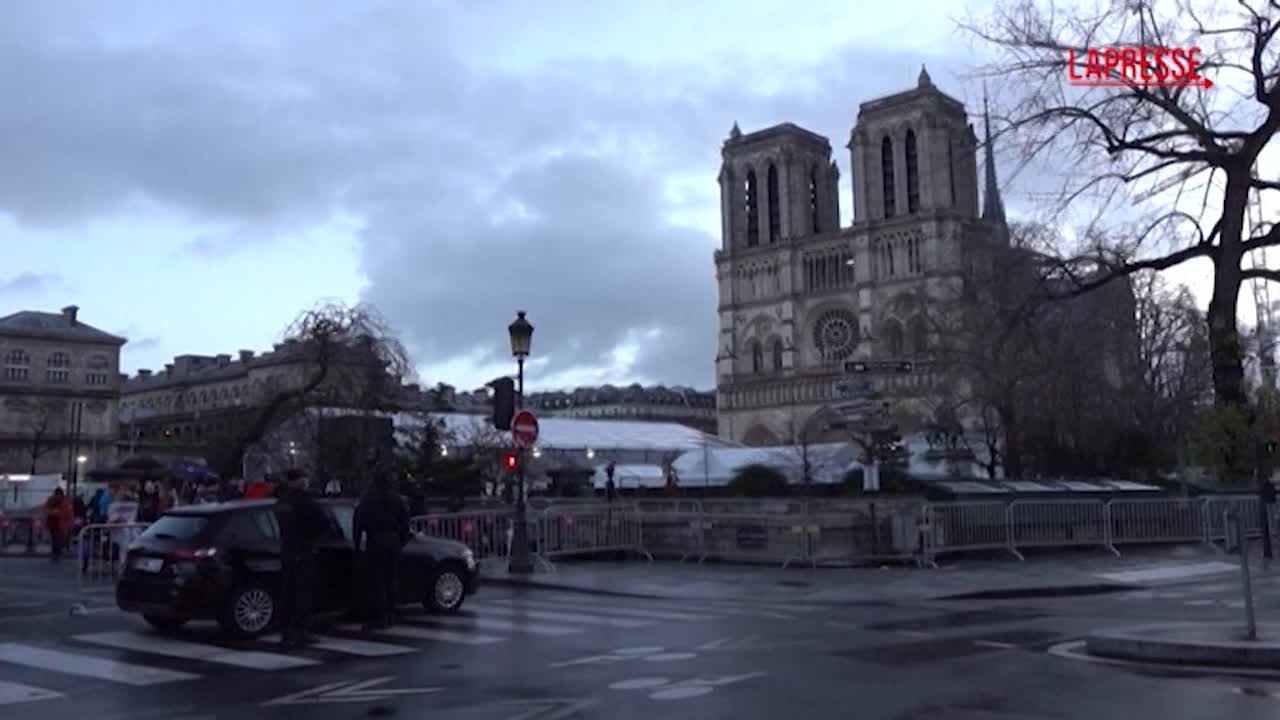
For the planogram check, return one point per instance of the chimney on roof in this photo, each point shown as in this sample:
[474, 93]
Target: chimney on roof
[223, 360]
[168, 368]
[144, 373]
[246, 356]
[69, 313]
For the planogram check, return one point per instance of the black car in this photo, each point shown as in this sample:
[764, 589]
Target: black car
[222, 562]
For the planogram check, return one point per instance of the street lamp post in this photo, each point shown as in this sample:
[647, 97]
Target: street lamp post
[521, 333]
[76, 473]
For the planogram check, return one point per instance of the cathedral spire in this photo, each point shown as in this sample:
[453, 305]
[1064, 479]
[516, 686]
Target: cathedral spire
[992, 205]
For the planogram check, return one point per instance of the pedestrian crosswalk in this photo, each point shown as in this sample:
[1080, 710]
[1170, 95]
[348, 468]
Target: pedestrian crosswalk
[135, 655]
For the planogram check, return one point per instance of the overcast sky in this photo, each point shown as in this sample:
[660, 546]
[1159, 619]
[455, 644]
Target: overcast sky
[194, 176]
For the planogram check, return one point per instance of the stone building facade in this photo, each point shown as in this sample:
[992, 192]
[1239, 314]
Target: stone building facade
[56, 372]
[800, 294]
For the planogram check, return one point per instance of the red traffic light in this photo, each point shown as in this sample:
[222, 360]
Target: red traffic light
[509, 461]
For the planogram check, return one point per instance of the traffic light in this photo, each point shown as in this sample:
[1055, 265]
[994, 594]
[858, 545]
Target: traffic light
[504, 402]
[510, 461]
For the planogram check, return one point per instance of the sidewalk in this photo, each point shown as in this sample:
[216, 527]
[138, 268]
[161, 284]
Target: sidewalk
[1055, 575]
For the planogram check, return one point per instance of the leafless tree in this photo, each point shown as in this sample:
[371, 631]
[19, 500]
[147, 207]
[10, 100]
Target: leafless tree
[486, 446]
[40, 418]
[986, 342]
[345, 357]
[799, 454]
[1187, 155]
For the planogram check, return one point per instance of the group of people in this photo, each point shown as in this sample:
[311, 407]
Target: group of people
[380, 531]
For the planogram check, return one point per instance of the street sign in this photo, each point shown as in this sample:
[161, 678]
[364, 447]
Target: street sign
[879, 367]
[852, 390]
[856, 410]
[524, 429]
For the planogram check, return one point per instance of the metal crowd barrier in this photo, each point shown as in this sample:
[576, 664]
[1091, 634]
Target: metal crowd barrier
[100, 552]
[486, 532]
[844, 532]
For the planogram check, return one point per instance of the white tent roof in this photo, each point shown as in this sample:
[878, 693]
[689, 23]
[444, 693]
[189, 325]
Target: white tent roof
[572, 433]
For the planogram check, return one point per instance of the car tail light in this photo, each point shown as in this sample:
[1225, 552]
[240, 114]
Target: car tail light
[193, 553]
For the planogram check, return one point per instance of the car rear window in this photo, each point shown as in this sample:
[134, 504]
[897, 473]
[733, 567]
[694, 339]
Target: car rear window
[176, 527]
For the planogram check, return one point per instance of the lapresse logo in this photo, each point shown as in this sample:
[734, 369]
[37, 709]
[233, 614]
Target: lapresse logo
[1136, 67]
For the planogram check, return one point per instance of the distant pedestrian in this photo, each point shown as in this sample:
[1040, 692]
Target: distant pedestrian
[303, 523]
[381, 529]
[58, 517]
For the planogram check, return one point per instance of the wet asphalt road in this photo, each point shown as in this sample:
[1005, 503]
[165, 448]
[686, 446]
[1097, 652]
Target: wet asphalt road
[527, 655]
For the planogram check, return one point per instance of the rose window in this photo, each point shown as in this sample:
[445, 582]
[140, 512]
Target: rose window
[835, 335]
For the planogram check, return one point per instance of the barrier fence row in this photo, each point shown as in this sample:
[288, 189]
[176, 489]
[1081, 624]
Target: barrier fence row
[855, 532]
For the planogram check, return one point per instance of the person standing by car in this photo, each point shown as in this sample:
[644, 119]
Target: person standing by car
[380, 531]
[303, 523]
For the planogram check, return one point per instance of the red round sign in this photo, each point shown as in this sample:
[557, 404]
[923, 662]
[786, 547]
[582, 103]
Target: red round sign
[524, 428]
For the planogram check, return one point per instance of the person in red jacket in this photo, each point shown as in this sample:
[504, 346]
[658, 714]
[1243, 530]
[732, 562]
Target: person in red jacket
[259, 488]
[58, 517]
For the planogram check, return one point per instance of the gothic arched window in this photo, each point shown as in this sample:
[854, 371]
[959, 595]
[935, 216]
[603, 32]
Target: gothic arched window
[886, 172]
[777, 354]
[919, 336]
[893, 340]
[757, 358]
[913, 173]
[753, 209]
[775, 211]
[813, 198]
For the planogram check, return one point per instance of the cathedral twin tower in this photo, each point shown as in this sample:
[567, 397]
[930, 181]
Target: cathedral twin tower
[799, 294]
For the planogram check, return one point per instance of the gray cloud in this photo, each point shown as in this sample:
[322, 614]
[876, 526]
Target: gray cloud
[29, 282]
[480, 191]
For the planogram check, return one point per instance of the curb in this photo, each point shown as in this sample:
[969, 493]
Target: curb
[1146, 644]
[1044, 591]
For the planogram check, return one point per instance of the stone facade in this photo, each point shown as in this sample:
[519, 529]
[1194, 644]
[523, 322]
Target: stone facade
[53, 369]
[800, 295]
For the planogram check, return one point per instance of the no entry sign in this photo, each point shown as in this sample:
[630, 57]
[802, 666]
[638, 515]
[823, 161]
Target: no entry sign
[524, 429]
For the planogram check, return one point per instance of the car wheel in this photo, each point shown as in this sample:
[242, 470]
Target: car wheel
[164, 623]
[249, 611]
[446, 591]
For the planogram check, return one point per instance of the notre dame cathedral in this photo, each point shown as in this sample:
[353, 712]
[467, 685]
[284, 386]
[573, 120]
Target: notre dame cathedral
[800, 294]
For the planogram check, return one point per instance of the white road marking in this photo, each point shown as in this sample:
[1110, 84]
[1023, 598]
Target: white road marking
[196, 651]
[350, 646]
[417, 633]
[563, 616]
[610, 610]
[13, 693]
[500, 624]
[996, 645]
[1170, 572]
[88, 665]
[1201, 602]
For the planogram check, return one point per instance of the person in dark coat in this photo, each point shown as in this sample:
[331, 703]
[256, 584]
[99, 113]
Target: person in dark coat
[303, 524]
[381, 529]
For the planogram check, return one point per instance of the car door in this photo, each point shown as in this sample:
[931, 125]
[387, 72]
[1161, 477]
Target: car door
[335, 572]
[253, 542]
